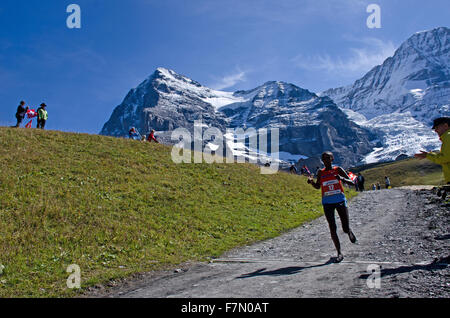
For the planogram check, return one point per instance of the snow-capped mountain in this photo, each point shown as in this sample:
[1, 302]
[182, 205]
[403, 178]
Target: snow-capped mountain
[384, 114]
[402, 96]
[308, 124]
[416, 80]
[166, 101]
[398, 134]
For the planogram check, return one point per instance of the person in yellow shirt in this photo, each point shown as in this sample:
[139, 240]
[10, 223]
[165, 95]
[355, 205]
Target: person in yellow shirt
[42, 116]
[442, 127]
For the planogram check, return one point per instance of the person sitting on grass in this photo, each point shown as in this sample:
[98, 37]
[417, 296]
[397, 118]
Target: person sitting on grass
[330, 181]
[133, 133]
[151, 137]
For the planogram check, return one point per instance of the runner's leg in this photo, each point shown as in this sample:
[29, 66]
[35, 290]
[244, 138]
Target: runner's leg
[343, 215]
[329, 214]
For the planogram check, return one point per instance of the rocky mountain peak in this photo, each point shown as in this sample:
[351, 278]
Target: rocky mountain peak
[416, 80]
[413, 86]
[308, 124]
[167, 75]
[430, 42]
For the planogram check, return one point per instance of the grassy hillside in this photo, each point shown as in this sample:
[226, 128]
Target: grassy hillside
[403, 173]
[116, 207]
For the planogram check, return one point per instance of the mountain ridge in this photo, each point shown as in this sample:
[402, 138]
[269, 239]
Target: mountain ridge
[308, 124]
[416, 75]
[412, 87]
[382, 115]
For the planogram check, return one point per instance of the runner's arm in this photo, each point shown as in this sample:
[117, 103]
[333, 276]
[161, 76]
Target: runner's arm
[315, 184]
[343, 176]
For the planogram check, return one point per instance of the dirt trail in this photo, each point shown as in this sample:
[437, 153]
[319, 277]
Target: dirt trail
[403, 231]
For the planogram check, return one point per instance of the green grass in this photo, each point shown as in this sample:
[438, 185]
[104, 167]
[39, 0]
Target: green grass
[404, 173]
[116, 207]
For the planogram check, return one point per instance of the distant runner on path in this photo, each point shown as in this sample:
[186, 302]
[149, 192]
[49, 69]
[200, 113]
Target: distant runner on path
[333, 198]
[387, 182]
[360, 182]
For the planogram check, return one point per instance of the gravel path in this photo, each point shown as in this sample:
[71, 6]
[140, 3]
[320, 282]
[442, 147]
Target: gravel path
[403, 234]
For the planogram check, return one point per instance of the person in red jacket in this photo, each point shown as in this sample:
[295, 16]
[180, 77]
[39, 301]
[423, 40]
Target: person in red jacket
[151, 137]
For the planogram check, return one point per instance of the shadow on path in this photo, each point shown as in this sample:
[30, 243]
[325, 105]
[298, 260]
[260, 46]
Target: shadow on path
[442, 237]
[436, 265]
[284, 271]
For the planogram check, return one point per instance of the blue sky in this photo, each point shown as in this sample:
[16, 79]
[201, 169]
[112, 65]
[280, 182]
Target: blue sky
[83, 74]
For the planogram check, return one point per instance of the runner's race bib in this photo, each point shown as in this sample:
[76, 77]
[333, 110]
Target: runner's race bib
[330, 184]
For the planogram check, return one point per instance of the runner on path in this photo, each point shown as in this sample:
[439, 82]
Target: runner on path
[330, 180]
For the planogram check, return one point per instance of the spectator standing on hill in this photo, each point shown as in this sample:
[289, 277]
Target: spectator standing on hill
[293, 169]
[151, 137]
[42, 116]
[378, 186]
[360, 182]
[356, 184]
[442, 127]
[20, 113]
